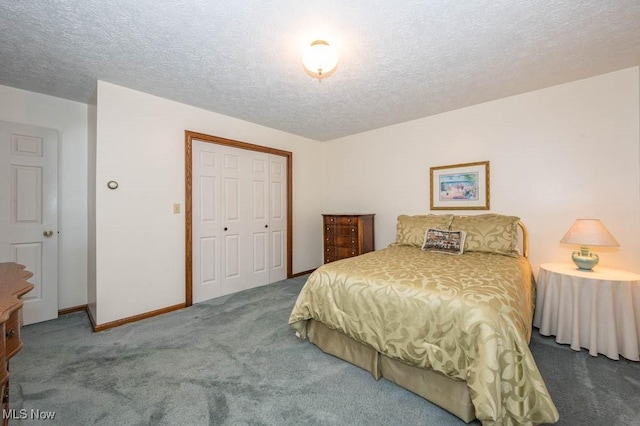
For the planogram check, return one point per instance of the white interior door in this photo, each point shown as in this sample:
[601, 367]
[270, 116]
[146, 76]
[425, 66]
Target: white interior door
[234, 232]
[277, 218]
[237, 219]
[219, 217]
[206, 226]
[257, 205]
[29, 212]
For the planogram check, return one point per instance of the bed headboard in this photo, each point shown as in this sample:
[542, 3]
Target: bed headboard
[523, 239]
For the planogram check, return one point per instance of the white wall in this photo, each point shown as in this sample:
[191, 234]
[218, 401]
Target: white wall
[92, 129]
[556, 154]
[140, 264]
[70, 119]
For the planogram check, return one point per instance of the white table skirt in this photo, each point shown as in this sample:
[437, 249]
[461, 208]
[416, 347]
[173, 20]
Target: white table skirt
[598, 310]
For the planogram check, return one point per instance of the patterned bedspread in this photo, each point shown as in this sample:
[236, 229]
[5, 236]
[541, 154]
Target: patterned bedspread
[468, 317]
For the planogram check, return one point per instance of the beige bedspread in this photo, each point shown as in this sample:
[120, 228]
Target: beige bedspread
[466, 316]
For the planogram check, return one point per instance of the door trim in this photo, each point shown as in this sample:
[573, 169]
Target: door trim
[189, 137]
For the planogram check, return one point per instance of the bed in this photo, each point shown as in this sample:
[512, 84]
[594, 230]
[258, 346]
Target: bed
[453, 329]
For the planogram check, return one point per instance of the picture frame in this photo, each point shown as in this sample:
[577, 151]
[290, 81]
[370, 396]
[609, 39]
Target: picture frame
[460, 186]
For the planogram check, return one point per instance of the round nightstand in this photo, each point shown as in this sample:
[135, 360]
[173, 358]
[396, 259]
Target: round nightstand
[598, 310]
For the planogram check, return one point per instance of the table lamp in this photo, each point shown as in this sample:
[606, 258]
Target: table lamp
[585, 233]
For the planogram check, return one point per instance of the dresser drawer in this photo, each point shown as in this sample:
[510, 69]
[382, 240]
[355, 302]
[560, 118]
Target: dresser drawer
[330, 230]
[12, 333]
[341, 241]
[339, 253]
[340, 220]
[344, 252]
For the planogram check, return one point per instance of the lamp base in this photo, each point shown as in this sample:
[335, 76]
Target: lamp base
[585, 260]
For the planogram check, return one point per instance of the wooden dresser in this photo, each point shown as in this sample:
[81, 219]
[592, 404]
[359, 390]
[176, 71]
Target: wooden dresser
[13, 284]
[347, 235]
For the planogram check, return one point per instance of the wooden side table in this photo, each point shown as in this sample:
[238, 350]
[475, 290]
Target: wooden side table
[598, 310]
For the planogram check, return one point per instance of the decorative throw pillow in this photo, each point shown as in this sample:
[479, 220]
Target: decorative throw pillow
[490, 233]
[451, 242]
[411, 229]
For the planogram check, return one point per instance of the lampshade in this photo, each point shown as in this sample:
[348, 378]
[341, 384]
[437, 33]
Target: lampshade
[320, 58]
[589, 232]
[585, 233]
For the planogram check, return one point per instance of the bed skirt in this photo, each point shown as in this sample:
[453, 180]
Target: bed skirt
[452, 395]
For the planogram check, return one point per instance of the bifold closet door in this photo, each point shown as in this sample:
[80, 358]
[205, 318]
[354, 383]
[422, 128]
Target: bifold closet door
[278, 218]
[233, 231]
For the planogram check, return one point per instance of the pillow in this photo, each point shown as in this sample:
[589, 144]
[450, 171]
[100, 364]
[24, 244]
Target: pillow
[451, 242]
[410, 230]
[489, 233]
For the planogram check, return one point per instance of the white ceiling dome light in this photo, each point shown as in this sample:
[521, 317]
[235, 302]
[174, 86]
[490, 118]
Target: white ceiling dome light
[320, 59]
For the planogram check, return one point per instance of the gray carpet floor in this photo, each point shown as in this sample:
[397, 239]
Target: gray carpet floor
[234, 361]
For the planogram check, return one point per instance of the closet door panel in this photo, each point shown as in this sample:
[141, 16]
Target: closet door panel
[277, 218]
[206, 222]
[233, 220]
[258, 221]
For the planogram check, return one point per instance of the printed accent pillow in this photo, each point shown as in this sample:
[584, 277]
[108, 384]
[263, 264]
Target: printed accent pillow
[410, 230]
[450, 242]
[489, 233]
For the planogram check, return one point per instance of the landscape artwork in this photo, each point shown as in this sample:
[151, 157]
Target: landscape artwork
[460, 187]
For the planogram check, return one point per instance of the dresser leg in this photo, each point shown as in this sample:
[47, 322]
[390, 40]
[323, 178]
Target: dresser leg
[5, 399]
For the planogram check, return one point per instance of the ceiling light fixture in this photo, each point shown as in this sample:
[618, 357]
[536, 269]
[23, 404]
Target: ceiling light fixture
[320, 59]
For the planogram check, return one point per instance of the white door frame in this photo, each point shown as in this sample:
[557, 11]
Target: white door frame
[189, 137]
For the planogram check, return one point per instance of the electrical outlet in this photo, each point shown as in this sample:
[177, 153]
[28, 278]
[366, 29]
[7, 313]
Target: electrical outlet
[176, 208]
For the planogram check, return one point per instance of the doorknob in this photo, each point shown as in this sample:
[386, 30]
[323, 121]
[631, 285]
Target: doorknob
[225, 228]
[266, 226]
[47, 233]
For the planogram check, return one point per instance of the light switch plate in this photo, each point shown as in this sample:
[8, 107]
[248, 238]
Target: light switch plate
[176, 208]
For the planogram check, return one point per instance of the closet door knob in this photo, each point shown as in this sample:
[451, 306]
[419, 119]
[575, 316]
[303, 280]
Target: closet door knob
[225, 228]
[266, 226]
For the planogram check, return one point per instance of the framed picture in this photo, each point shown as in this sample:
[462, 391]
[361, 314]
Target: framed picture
[460, 187]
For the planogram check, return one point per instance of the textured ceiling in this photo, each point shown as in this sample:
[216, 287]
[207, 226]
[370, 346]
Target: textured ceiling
[399, 60]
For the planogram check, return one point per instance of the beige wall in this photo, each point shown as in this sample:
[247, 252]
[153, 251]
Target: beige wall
[70, 119]
[556, 154]
[140, 264]
[92, 123]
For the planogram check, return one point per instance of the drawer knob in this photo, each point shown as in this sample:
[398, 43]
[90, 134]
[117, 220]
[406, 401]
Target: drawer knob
[11, 333]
